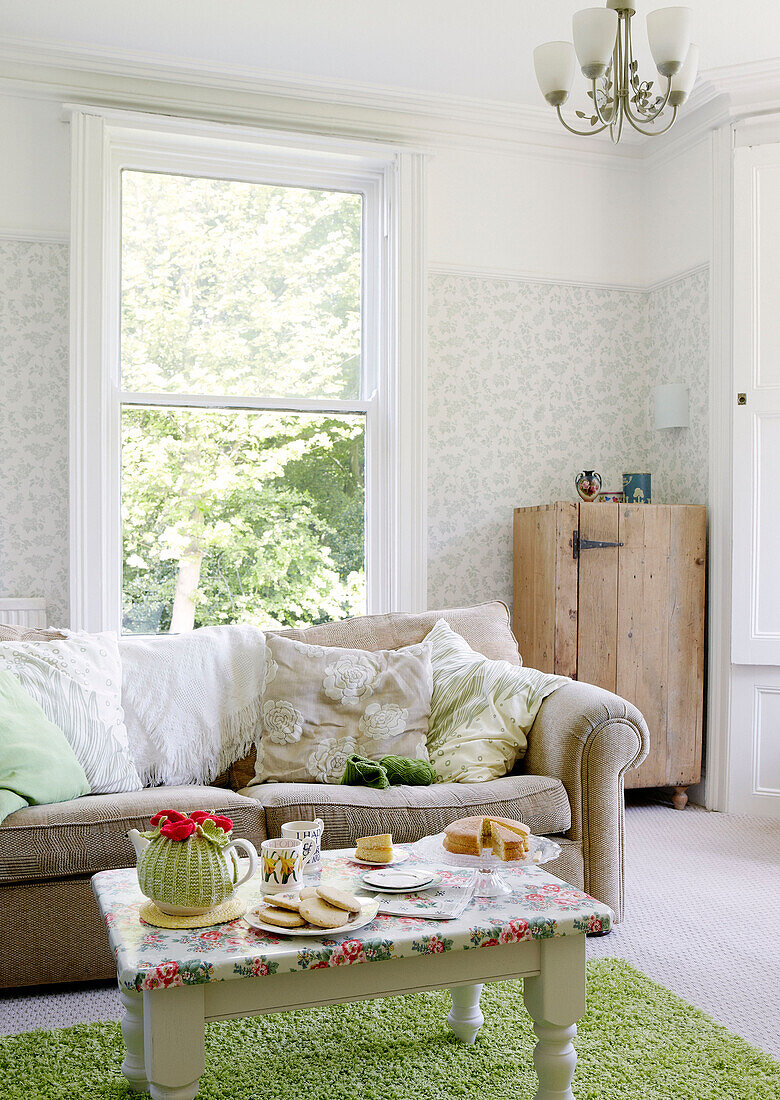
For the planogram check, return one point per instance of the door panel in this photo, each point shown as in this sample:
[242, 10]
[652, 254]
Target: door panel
[756, 571]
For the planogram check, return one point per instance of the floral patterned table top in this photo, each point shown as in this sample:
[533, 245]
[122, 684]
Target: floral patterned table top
[539, 907]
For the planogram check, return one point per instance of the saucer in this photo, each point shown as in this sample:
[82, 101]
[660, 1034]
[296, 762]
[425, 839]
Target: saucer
[387, 879]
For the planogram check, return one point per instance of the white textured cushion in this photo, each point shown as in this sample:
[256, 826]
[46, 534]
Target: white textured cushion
[77, 682]
[481, 710]
[323, 703]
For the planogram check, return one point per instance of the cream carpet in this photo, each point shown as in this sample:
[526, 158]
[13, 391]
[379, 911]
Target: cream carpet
[703, 918]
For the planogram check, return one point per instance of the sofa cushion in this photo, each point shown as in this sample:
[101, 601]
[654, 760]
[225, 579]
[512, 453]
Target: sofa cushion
[410, 813]
[485, 628]
[322, 703]
[90, 834]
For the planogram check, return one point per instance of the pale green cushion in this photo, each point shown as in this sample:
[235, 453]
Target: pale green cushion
[481, 710]
[37, 765]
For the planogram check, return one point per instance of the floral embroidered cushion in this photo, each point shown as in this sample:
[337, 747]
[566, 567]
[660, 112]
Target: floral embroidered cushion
[77, 682]
[481, 710]
[321, 704]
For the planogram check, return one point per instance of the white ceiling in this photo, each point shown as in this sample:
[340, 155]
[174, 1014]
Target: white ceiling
[474, 48]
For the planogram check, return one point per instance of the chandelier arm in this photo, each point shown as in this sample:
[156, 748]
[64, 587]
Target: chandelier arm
[651, 115]
[616, 128]
[604, 121]
[654, 133]
[579, 133]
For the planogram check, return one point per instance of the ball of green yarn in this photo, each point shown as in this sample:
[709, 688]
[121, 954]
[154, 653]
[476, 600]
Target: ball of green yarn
[360, 771]
[415, 773]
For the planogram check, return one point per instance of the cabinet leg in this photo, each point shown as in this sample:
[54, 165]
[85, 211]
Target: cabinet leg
[680, 798]
[465, 1017]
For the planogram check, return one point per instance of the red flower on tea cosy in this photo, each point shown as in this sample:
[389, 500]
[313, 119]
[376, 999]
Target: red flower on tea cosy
[220, 820]
[167, 815]
[178, 830]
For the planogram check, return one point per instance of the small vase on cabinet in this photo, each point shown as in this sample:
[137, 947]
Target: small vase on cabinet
[588, 484]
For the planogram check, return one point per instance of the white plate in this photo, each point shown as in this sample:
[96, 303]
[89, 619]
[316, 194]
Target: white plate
[400, 855]
[368, 910]
[389, 880]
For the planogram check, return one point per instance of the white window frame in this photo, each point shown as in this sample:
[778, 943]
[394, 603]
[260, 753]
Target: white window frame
[104, 142]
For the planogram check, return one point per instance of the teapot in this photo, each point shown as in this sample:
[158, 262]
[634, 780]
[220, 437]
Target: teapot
[188, 865]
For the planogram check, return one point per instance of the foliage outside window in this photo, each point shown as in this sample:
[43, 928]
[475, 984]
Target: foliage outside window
[240, 313]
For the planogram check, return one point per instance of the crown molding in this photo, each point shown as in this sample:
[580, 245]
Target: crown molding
[98, 76]
[126, 79]
[753, 88]
[709, 110]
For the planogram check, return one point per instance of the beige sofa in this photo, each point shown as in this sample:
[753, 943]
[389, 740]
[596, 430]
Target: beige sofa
[570, 785]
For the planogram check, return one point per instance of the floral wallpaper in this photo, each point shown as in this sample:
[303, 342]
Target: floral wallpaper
[679, 327]
[531, 382]
[34, 423]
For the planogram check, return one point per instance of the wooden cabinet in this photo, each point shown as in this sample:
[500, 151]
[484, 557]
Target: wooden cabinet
[613, 594]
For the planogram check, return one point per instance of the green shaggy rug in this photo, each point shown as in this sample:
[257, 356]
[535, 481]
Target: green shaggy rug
[638, 1041]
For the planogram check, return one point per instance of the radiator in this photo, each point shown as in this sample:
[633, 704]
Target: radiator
[26, 611]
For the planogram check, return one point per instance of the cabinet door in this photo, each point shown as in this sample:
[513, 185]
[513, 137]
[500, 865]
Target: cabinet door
[660, 646]
[545, 587]
[598, 597]
[643, 627]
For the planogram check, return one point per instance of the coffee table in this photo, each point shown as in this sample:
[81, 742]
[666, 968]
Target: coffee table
[173, 981]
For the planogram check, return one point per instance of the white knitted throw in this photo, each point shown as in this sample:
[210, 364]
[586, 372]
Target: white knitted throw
[192, 702]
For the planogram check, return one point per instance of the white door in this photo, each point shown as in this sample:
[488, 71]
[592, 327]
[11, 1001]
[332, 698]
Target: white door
[755, 649]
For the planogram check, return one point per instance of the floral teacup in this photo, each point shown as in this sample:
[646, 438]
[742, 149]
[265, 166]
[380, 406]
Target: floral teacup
[310, 835]
[281, 865]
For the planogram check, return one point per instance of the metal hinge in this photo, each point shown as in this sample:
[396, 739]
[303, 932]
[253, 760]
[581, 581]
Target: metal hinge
[578, 544]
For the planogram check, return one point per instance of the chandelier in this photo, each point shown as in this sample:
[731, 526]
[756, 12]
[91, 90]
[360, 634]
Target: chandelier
[602, 41]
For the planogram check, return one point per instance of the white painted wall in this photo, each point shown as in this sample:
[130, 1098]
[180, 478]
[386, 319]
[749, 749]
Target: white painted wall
[538, 215]
[34, 168]
[676, 221]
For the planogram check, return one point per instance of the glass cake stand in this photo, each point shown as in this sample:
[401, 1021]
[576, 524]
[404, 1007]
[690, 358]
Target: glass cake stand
[490, 881]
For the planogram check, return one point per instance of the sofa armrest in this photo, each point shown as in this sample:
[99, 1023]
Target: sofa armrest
[589, 738]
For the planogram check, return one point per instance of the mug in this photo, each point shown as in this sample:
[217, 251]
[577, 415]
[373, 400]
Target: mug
[310, 835]
[281, 865]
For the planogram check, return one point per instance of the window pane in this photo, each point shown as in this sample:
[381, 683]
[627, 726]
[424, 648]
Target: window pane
[239, 288]
[232, 517]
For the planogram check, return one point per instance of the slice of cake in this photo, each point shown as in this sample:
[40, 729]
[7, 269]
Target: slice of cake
[375, 849]
[506, 838]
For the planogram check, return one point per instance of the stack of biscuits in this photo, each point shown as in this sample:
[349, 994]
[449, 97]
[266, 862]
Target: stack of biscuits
[320, 907]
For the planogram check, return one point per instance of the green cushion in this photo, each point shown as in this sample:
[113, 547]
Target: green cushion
[37, 765]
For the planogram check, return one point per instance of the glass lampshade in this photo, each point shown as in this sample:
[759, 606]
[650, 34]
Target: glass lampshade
[669, 32]
[554, 64]
[595, 30]
[683, 81]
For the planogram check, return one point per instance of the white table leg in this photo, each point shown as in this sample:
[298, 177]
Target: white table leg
[465, 1017]
[555, 1001]
[133, 1066]
[173, 1041]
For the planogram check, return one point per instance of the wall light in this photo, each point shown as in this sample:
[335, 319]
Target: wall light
[671, 406]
